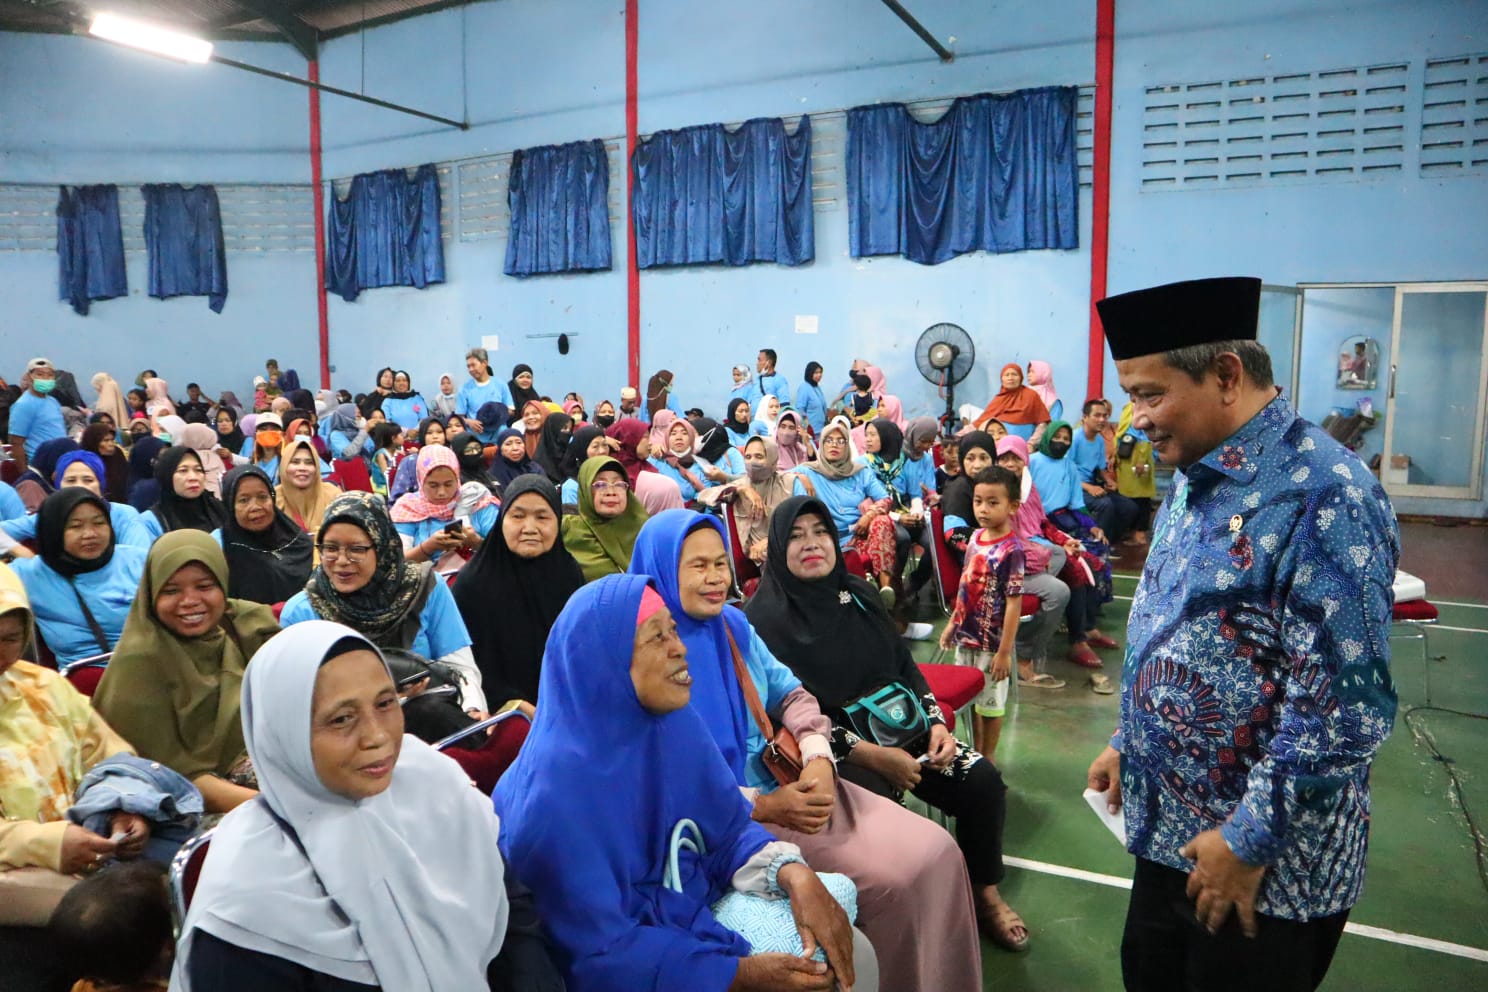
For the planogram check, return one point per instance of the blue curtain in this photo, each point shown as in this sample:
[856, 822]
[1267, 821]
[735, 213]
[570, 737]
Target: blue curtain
[90, 246]
[183, 237]
[560, 209]
[704, 194]
[995, 173]
[385, 233]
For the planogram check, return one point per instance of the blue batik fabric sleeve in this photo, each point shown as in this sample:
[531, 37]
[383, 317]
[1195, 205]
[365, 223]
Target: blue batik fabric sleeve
[1338, 702]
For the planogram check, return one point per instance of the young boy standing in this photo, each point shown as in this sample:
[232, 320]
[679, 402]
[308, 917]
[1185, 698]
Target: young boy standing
[984, 624]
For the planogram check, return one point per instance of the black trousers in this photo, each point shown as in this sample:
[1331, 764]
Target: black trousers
[1166, 949]
[973, 792]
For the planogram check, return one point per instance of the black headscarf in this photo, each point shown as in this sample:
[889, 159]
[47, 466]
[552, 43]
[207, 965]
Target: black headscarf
[713, 440]
[423, 429]
[493, 416]
[509, 603]
[729, 420]
[51, 523]
[174, 511]
[520, 397]
[116, 465]
[301, 400]
[143, 492]
[393, 393]
[472, 465]
[504, 471]
[578, 449]
[890, 438]
[839, 650]
[956, 500]
[266, 566]
[234, 440]
[557, 431]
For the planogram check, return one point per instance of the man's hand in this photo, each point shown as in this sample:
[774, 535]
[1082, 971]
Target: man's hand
[1219, 881]
[948, 637]
[1092, 490]
[1105, 776]
[472, 425]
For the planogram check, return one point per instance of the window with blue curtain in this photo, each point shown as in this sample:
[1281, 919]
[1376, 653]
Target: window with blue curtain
[90, 246]
[183, 238]
[560, 209]
[705, 195]
[385, 233]
[996, 173]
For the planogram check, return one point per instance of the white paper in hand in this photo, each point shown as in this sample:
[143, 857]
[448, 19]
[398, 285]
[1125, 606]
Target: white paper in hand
[1113, 822]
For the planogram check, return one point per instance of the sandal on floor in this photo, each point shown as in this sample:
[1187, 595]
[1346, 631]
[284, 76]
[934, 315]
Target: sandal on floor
[887, 596]
[1043, 680]
[998, 923]
[1101, 685]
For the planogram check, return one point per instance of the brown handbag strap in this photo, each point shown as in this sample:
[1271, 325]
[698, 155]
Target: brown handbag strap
[751, 694]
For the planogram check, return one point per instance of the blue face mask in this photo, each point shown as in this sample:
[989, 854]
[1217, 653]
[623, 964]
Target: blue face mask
[43, 386]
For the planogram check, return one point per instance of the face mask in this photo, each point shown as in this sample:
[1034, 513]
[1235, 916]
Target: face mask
[758, 472]
[604, 420]
[269, 439]
[43, 386]
[786, 435]
[564, 437]
[1057, 449]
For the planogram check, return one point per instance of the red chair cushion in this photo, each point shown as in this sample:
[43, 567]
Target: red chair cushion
[85, 678]
[953, 686]
[353, 474]
[744, 567]
[191, 874]
[855, 563]
[1417, 610]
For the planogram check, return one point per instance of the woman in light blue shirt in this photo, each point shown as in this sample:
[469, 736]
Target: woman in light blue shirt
[842, 484]
[481, 388]
[720, 461]
[82, 583]
[404, 406]
[364, 582]
[85, 469]
[810, 402]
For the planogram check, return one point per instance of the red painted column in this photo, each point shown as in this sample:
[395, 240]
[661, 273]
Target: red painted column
[1105, 58]
[632, 272]
[320, 232]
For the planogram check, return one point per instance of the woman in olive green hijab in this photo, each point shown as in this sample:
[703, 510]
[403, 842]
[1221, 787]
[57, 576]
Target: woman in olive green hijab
[603, 533]
[171, 688]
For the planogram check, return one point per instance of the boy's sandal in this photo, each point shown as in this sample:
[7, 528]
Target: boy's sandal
[1002, 925]
[1101, 685]
[1043, 680]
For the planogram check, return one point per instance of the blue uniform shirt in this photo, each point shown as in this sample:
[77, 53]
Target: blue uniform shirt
[38, 419]
[1256, 686]
[441, 629]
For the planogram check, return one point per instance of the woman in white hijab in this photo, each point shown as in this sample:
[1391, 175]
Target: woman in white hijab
[342, 875]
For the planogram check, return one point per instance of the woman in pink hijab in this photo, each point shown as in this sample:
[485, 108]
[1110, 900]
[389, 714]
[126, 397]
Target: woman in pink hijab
[1041, 380]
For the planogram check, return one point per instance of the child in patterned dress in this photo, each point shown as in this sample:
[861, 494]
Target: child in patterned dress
[984, 624]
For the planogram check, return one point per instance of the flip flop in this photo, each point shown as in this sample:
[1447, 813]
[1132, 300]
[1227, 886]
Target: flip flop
[1043, 680]
[1100, 685]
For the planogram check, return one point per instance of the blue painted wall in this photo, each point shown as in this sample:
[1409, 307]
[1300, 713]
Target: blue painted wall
[528, 72]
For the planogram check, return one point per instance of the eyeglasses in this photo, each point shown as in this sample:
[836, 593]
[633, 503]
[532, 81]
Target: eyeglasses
[351, 552]
[609, 487]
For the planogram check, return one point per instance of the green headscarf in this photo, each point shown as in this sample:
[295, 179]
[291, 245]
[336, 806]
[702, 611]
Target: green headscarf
[176, 699]
[1049, 433]
[602, 547]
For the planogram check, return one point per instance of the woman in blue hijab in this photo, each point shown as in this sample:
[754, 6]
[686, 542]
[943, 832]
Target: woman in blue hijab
[614, 761]
[914, 898]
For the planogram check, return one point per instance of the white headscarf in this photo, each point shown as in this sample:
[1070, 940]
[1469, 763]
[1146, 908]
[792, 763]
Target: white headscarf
[415, 870]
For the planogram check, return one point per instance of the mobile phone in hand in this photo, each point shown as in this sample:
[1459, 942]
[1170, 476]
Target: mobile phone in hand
[455, 527]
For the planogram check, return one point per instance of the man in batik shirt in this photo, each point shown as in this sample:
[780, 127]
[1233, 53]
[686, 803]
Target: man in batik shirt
[1256, 687]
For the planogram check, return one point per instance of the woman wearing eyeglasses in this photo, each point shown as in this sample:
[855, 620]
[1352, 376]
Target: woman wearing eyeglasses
[364, 582]
[603, 533]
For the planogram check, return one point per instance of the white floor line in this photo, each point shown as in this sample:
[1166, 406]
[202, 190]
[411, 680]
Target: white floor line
[1429, 627]
[1357, 929]
[1448, 602]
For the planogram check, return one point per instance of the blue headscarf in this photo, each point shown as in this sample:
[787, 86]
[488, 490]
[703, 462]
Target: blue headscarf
[595, 758]
[88, 458]
[715, 688]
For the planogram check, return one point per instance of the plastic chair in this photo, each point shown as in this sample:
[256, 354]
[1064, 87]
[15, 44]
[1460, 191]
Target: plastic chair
[86, 673]
[487, 763]
[744, 567]
[353, 474]
[1411, 619]
[954, 686]
[185, 871]
[948, 574]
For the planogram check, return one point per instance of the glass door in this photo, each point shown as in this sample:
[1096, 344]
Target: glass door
[1436, 391]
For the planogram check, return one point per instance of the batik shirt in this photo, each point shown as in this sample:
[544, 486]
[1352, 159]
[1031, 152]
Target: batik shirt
[1256, 686]
[993, 573]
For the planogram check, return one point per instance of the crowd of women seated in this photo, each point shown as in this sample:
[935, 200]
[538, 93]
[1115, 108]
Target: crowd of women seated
[250, 591]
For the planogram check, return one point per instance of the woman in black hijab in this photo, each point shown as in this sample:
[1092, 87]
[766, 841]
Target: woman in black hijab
[557, 431]
[831, 629]
[521, 395]
[469, 452]
[143, 492]
[514, 588]
[269, 558]
[956, 500]
[183, 502]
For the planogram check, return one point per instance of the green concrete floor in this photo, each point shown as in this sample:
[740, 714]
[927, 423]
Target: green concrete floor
[1421, 880]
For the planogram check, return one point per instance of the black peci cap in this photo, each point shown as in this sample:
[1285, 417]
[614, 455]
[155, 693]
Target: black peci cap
[1180, 314]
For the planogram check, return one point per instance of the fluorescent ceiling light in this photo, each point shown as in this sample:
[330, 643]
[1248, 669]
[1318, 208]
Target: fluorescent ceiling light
[136, 34]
